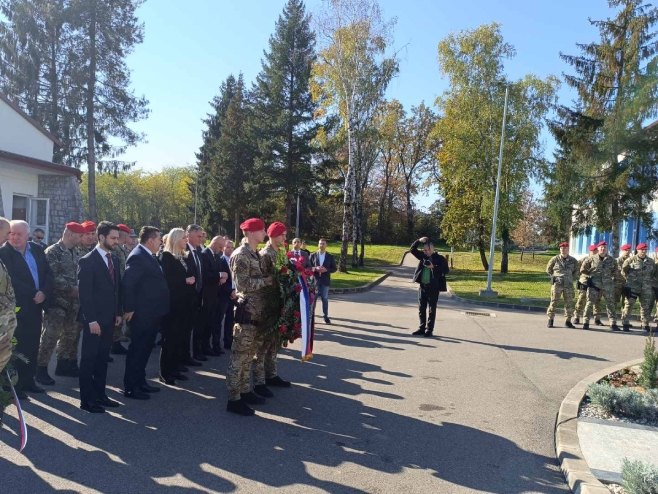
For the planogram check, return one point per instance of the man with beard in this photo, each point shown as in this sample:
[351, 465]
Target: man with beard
[99, 280]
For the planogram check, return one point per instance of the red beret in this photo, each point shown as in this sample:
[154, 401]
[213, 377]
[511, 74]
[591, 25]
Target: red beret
[642, 246]
[252, 225]
[564, 244]
[124, 228]
[625, 247]
[74, 227]
[593, 247]
[275, 229]
[89, 226]
[602, 242]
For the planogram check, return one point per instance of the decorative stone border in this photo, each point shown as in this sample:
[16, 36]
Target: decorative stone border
[359, 289]
[567, 446]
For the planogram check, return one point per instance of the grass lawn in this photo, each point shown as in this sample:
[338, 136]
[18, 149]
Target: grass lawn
[526, 283]
[377, 257]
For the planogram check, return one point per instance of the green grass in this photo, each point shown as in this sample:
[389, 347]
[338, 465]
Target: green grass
[356, 277]
[525, 284]
[377, 258]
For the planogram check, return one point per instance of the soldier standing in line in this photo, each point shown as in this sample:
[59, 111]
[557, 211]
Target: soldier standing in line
[624, 253]
[602, 270]
[639, 271]
[88, 240]
[250, 285]
[581, 286]
[265, 368]
[60, 326]
[7, 305]
[562, 269]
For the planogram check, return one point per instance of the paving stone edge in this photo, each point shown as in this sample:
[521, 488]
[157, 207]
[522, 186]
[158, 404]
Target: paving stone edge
[567, 446]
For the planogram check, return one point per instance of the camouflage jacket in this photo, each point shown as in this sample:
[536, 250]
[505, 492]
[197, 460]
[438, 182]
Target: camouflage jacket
[619, 279]
[122, 254]
[583, 276]
[602, 271]
[81, 251]
[564, 269]
[638, 272]
[654, 279]
[7, 316]
[64, 264]
[250, 283]
[273, 300]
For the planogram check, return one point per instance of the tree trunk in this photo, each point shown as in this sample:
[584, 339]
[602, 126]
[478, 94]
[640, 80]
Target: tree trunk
[89, 104]
[347, 204]
[410, 213]
[356, 226]
[522, 251]
[504, 259]
[483, 256]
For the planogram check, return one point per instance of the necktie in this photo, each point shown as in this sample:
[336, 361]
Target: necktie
[110, 266]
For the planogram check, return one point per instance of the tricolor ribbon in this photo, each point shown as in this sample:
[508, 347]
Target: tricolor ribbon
[305, 309]
[21, 417]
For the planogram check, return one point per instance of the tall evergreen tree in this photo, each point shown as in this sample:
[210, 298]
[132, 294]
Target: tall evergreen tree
[284, 109]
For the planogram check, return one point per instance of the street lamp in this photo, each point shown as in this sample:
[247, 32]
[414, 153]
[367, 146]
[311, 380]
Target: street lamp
[488, 292]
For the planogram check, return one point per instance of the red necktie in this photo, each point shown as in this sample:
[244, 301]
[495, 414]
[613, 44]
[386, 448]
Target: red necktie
[110, 266]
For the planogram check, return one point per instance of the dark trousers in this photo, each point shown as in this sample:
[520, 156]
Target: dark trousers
[174, 327]
[198, 328]
[28, 335]
[209, 311]
[227, 325]
[428, 296]
[142, 340]
[217, 322]
[93, 363]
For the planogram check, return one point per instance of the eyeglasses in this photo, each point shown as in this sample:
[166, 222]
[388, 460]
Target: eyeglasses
[39, 238]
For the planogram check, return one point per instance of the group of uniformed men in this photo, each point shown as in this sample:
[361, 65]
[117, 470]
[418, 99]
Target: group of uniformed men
[601, 278]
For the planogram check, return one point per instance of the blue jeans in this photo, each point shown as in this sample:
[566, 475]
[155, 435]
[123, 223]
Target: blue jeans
[323, 293]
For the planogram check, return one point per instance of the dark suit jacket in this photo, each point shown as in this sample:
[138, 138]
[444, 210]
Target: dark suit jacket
[441, 269]
[144, 286]
[182, 295]
[324, 279]
[210, 275]
[192, 265]
[225, 289]
[22, 280]
[99, 297]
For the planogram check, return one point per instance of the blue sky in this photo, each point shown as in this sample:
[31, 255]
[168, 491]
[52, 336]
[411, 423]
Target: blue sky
[191, 47]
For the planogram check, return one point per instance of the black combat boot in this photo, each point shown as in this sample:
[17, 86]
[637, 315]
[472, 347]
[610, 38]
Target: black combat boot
[252, 398]
[569, 324]
[550, 323]
[647, 328]
[576, 320]
[626, 327]
[262, 390]
[239, 407]
[42, 376]
[419, 332]
[585, 325]
[614, 327]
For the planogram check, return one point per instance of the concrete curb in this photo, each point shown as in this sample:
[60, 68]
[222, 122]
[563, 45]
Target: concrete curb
[360, 289]
[499, 305]
[567, 446]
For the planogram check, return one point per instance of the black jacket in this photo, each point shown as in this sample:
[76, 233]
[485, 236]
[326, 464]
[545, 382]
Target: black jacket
[144, 286]
[441, 269]
[210, 270]
[182, 295]
[22, 280]
[324, 279]
[99, 297]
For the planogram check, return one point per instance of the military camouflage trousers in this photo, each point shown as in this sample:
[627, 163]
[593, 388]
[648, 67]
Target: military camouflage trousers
[646, 298]
[266, 356]
[594, 295]
[246, 339]
[561, 291]
[61, 330]
[579, 310]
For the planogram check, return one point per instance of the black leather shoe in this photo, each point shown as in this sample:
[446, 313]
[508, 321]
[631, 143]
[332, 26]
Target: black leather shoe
[32, 388]
[180, 377]
[428, 334]
[42, 376]
[192, 363]
[327, 320]
[252, 398]
[276, 381]
[569, 324]
[136, 395]
[147, 388]
[420, 332]
[239, 407]
[167, 380]
[92, 408]
[108, 403]
[262, 390]
[200, 358]
[118, 349]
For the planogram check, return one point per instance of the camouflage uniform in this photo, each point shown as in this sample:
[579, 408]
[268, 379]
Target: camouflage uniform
[7, 316]
[602, 272]
[581, 301]
[562, 270]
[620, 280]
[60, 325]
[250, 287]
[265, 365]
[639, 273]
[654, 285]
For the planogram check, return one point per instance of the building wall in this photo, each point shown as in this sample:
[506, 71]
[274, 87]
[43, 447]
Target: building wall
[65, 202]
[16, 179]
[19, 136]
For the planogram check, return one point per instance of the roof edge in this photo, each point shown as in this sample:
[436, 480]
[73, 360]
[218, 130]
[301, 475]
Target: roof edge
[32, 121]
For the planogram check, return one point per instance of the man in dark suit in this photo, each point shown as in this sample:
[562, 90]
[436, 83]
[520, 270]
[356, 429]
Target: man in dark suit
[298, 251]
[145, 301]
[228, 291]
[430, 275]
[99, 281]
[195, 237]
[323, 265]
[214, 277]
[33, 284]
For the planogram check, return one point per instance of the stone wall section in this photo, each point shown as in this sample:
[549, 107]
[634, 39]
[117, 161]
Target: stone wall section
[65, 202]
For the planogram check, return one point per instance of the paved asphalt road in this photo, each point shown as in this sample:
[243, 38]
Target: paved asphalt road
[376, 410]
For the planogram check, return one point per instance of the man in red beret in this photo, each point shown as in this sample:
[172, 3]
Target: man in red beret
[581, 286]
[639, 272]
[624, 253]
[562, 269]
[602, 270]
[251, 287]
[88, 240]
[60, 326]
[265, 370]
